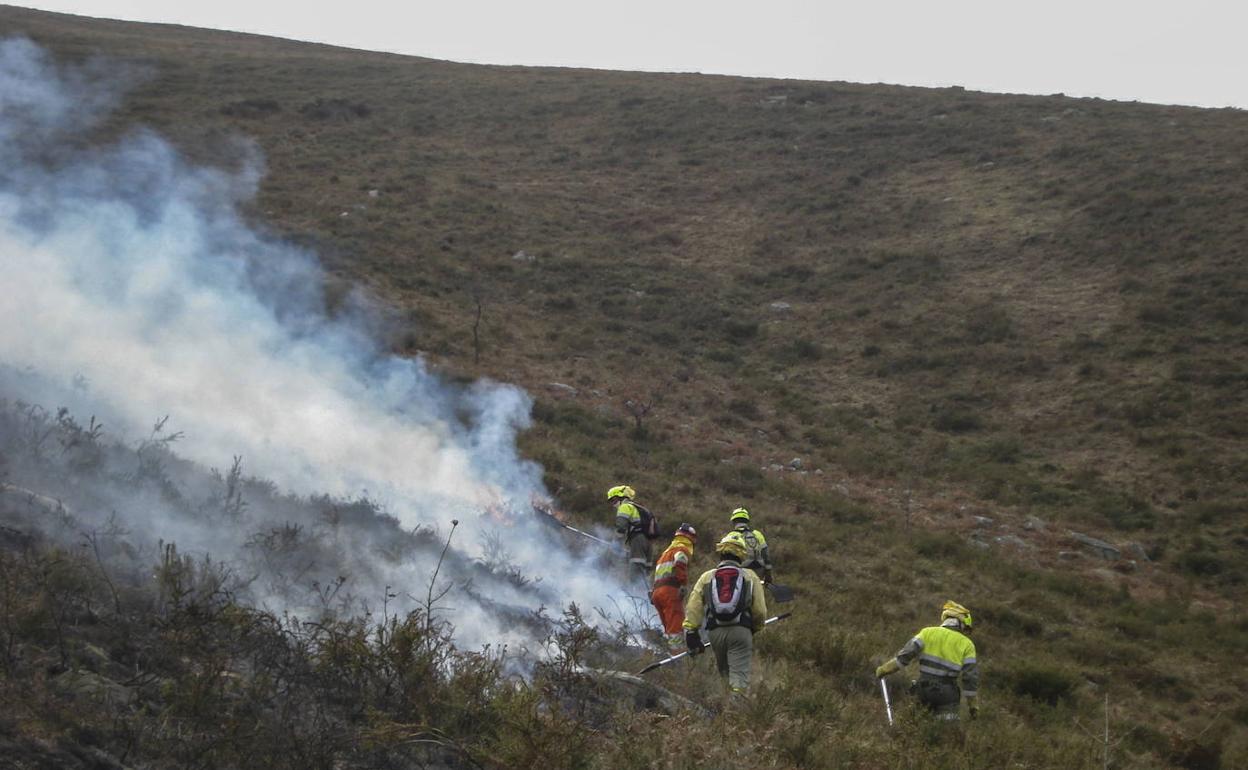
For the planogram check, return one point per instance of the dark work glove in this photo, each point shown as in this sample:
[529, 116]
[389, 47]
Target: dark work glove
[694, 642]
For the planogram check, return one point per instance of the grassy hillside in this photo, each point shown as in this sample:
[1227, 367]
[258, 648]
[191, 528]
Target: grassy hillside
[922, 334]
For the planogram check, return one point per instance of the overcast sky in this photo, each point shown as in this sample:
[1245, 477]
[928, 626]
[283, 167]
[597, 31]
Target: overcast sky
[1166, 51]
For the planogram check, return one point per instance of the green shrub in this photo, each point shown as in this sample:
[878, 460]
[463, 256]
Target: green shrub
[1005, 450]
[1043, 683]
[740, 331]
[1004, 619]
[745, 408]
[939, 545]
[1122, 511]
[988, 323]
[798, 351]
[734, 479]
[955, 418]
[1201, 563]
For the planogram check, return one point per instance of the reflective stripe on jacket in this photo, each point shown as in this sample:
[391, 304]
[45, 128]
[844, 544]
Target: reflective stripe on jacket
[757, 556]
[627, 519]
[696, 607]
[943, 653]
[672, 568]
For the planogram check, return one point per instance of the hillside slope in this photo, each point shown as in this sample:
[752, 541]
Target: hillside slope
[923, 334]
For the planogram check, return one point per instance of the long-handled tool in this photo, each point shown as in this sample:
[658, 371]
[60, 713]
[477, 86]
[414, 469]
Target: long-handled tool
[551, 518]
[680, 655]
[888, 706]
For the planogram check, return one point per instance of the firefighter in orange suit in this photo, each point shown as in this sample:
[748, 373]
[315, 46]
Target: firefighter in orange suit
[671, 574]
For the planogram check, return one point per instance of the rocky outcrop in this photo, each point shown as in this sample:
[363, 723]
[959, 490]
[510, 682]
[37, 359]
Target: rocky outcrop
[1100, 548]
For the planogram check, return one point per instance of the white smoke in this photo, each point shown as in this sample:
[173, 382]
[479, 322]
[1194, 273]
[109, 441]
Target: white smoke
[131, 270]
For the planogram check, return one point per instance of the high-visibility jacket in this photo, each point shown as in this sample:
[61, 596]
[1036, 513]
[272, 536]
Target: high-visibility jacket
[697, 607]
[627, 520]
[944, 653]
[757, 556]
[672, 568]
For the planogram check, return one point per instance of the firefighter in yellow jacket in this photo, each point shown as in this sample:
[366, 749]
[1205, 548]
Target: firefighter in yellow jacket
[758, 555]
[729, 601]
[945, 654]
[630, 523]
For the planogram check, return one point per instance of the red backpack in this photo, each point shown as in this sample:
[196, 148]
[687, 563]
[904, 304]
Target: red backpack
[730, 598]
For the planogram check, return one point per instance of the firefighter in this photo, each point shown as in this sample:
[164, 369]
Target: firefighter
[945, 653]
[671, 574]
[728, 599]
[631, 521]
[757, 556]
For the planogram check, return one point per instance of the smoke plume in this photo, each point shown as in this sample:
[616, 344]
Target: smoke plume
[133, 289]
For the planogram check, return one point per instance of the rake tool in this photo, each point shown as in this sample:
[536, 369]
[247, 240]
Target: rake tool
[680, 655]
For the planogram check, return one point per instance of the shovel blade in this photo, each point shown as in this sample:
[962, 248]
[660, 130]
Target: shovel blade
[781, 594]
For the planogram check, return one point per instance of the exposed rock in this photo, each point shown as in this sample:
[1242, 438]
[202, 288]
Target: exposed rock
[90, 685]
[1137, 552]
[982, 521]
[646, 695]
[1034, 524]
[559, 389]
[34, 499]
[1098, 547]
[796, 463]
[523, 256]
[63, 754]
[780, 307]
[97, 655]
[596, 695]
[1012, 540]
[777, 467]
[1069, 555]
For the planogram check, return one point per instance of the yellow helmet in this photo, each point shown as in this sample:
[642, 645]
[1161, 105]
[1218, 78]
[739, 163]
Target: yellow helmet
[740, 515]
[732, 544]
[955, 612]
[623, 490]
